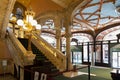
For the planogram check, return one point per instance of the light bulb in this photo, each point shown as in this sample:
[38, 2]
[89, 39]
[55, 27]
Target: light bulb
[20, 22]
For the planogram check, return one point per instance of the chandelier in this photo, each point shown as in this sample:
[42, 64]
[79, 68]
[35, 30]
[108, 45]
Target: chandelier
[29, 23]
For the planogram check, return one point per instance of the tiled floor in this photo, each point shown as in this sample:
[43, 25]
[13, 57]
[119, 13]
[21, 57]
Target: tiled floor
[7, 77]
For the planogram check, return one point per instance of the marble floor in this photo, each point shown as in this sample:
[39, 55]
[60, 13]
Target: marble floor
[77, 73]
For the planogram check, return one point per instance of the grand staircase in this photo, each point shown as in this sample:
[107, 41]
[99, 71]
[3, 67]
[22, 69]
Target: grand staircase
[41, 63]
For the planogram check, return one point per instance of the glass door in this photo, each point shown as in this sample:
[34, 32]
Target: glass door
[116, 59]
[77, 57]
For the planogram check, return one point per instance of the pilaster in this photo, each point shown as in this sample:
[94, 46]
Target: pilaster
[68, 40]
[9, 7]
[58, 33]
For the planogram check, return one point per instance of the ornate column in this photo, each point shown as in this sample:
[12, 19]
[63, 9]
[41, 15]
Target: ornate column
[58, 33]
[68, 40]
[58, 42]
[68, 52]
[29, 41]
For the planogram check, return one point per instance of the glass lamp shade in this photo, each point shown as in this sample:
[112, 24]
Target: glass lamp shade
[29, 18]
[34, 23]
[20, 22]
[38, 26]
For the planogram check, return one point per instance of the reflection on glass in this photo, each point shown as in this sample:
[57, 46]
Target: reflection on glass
[105, 53]
[116, 59]
[77, 57]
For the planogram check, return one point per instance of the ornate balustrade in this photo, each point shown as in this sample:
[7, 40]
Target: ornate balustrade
[53, 54]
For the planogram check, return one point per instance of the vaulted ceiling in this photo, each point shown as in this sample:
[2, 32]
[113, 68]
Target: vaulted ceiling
[92, 16]
[41, 6]
[95, 16]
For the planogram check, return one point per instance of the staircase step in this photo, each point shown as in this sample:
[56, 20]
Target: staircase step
[41, 63]
[24, 42]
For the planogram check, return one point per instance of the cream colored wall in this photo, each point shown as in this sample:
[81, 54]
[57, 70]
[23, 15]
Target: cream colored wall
[9, 68]
[6, 7]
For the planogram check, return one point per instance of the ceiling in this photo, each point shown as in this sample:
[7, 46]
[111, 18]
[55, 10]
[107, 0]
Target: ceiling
[41, 6]
[63, 3]
[94, 15]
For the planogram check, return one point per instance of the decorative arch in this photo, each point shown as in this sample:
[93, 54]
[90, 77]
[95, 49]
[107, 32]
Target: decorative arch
[105, 32]
[84, 35]
[56, 16]
[49, 14]
[78, 6]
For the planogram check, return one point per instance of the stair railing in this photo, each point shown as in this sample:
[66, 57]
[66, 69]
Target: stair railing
[16, 48]
[19, 53]
[53, 54]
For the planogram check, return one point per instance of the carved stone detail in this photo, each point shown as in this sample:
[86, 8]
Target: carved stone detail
[7, 11]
